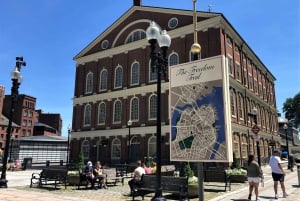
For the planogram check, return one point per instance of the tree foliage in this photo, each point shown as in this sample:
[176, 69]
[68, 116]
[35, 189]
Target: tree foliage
[291, 108]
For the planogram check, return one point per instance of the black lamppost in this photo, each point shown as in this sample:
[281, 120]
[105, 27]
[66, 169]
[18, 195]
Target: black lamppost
[255, 129]
[285, 127]
[16, 78]
[159, 63]
[129, 124]
[68, 148]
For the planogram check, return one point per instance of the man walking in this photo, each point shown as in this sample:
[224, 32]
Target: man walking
[277, 172]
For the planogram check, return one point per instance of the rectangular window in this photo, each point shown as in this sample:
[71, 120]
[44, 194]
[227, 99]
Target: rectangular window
[230, 65]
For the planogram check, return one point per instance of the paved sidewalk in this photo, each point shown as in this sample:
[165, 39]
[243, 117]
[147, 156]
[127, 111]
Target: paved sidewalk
[18, 190]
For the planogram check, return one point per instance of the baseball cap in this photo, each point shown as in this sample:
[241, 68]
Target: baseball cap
[89, 163]
[277, 151]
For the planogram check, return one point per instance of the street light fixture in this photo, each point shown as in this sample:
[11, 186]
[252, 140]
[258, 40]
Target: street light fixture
[255, 129]
[16, 78]
[285, 127]
[68, 148]
[129, 124]
[159, 63]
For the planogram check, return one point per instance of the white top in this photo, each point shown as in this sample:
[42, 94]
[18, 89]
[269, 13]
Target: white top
[138, 172]
[274, 161]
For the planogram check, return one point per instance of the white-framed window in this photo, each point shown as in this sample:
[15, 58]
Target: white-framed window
[89, 83]
[173, 59]
[87, 115]
[103, 80]
[241, 106]
[116, 149]
[152, 107]
[135, 73]
[117, 111]
[238, 71]
[101, 113]
[152, 146]
[152, 73]
[134, 106]
[230, 65]
[118, 77]
[232, 102]
[136, 35]
[85, 148]
[25, 113]
[236, 148]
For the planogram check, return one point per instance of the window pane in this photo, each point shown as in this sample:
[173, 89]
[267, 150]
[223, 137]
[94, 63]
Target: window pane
[103, 80]
[153, 107]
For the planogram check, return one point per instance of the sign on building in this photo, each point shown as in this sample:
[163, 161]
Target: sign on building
[199, 111]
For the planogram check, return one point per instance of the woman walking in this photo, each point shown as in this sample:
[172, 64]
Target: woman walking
[254, 173]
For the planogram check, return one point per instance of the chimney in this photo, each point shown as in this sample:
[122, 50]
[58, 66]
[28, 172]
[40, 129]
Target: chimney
[137, 2]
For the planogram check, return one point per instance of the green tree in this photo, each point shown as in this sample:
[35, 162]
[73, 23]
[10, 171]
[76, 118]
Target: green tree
[80, 161]
[291, 108]
[186, 170]
[236, 163]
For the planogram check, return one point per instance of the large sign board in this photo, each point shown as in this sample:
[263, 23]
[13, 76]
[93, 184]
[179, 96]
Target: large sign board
[199, 111]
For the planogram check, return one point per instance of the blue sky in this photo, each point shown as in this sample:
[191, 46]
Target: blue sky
[49, 33]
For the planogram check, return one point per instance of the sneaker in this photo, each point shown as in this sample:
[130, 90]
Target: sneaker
[276, 196]
[285, 195]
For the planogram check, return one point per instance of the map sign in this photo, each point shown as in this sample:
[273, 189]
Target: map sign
[199, 101]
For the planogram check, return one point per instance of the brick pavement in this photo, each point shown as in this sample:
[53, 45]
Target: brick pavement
[19, 190]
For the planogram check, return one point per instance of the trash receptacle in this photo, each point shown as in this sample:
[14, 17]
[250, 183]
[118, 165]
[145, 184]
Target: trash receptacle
[61, 162]
[27, 163]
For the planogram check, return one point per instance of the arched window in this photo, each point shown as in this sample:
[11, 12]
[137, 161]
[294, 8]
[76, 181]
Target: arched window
[117, 111]
[87, 115]
[173, 59]
[85, 148]
[152, 146]
[118, 77]
[135, 36]
[152, 107]
[116, 149]
[152, 73]
[232, 102]
[103, 80]
[89, 83]
[101, 113]
[135, 73]
[134, 115]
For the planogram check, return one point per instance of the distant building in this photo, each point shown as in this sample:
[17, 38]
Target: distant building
[24, 114]
[40, 149]
[27, 121]
[51, 120]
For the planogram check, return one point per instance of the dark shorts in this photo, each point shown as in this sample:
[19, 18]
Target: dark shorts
[277, 177]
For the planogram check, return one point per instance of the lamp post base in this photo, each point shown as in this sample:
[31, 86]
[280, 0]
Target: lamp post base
[158, 199]
[3, 183]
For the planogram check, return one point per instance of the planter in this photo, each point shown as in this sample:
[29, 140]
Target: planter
[238, 178]
[193, 190]
[73, 179]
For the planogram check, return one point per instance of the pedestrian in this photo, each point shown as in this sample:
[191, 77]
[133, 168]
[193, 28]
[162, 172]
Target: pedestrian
[137, 176]
[88, 174]
[254, 173]
[277, 173]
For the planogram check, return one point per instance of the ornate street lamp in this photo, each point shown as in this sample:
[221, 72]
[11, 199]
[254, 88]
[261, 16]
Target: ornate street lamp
[285, 127]
[129, 124]
[255, 129]
[16, 78]
[159, 63]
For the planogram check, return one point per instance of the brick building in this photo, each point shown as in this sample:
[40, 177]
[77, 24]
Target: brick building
[114, 83]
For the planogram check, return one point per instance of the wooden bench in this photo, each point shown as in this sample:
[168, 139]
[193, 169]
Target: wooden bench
[49, 176]
[169, 184]
[112, 176]
[218, 176]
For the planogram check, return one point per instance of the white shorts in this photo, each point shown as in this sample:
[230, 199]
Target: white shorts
[253, 179]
